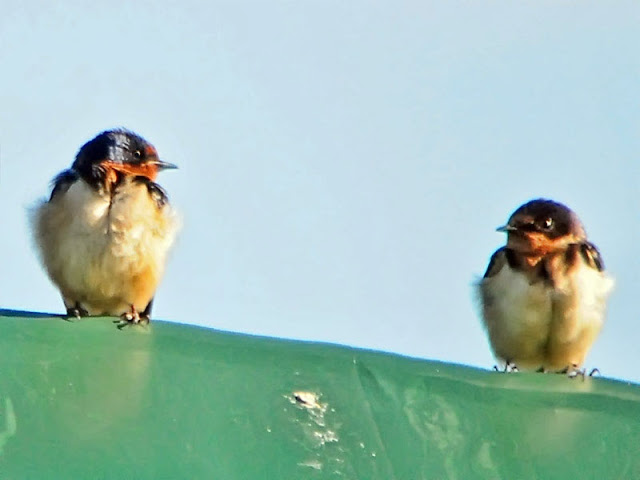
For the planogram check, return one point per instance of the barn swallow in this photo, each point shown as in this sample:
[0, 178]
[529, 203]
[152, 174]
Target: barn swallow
[105, 232]
[544, 294]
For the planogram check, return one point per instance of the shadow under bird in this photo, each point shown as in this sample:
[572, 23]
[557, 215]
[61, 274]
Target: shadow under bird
[544, 294]
[105, 232]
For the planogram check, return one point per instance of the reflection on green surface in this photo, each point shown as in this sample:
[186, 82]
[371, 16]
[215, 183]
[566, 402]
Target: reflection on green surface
[86, 400]
[11, 424]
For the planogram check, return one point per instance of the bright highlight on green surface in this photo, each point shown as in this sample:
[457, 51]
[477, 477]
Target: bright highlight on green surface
[86, 400]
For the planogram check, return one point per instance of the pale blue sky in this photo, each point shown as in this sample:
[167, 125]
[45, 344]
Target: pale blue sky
[343, 165]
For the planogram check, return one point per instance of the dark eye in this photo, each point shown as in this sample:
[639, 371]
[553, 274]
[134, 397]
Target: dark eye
[548, 223]
[137, 154]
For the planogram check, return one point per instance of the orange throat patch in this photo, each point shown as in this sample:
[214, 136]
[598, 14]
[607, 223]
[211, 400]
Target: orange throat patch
[147, 170]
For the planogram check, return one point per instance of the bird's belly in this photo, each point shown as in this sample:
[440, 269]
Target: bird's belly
[111, 270]
[517, 316]
[579, 312]
[539, 325]
[105, 255]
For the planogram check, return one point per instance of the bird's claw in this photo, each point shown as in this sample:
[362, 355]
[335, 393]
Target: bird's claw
[132, 317]
[76, 312]
[508, 367]
[580, 372]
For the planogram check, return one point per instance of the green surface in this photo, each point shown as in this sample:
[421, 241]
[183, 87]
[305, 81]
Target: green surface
[86, 400]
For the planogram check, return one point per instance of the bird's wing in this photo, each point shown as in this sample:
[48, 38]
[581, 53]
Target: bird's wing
[497, 261]
[591, 256]
[158, 193]
[62, 182]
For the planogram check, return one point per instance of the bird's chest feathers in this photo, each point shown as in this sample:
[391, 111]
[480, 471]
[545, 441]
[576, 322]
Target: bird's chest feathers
[582, 293]
[522, 304]
[573, 301]
[125, 224]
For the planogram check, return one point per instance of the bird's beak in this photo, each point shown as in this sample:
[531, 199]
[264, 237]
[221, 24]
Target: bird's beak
[163, 165]
[506, 228]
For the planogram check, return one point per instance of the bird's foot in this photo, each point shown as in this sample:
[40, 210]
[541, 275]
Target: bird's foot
[574, 371]
[579, 372]
[132, 317]
[76, 312]
[508, 367]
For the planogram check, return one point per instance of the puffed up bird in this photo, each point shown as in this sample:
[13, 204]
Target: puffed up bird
[105, 232]
[544, 294]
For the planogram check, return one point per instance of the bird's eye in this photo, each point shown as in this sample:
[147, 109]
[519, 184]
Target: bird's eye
[137, 154]
[548, 223]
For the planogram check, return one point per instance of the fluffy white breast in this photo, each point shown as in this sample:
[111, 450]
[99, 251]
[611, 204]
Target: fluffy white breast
[594, 287]
[539, 325]
[581, 300]
[517, 315]
[106, 252]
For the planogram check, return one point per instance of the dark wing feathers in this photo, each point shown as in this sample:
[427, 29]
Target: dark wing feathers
[62, 182]
[156, 191]
[592, 256]
[497, 261]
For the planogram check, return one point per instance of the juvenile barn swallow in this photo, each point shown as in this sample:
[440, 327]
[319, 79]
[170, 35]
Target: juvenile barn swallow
[544, 294]
[105, 232]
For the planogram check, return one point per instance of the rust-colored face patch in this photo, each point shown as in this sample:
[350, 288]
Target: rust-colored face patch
[537, 244]
[148, 169]
[111, 176]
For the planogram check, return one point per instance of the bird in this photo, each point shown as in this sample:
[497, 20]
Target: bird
[544, 294]
[106, 230]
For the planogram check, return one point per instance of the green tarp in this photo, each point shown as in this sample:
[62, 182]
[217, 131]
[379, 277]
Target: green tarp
[84, 400]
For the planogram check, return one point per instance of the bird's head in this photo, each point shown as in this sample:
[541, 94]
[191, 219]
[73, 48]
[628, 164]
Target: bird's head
[114, 154]
[542, 226]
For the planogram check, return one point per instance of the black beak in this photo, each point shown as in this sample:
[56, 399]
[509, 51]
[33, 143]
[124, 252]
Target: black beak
[506, 228]
[163, 165]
